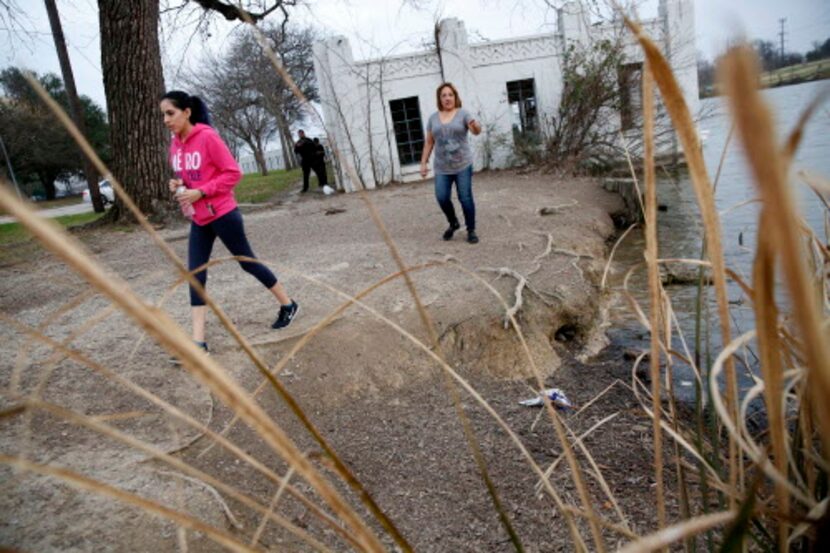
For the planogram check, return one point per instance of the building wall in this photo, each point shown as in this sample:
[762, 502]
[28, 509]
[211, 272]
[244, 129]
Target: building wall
[356, 95]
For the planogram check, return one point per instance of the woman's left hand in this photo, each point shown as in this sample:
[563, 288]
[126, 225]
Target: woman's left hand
[189, 196]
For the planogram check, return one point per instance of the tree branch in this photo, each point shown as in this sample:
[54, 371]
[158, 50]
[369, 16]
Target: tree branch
[232, 12]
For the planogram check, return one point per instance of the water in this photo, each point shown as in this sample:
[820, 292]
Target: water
[679, 228]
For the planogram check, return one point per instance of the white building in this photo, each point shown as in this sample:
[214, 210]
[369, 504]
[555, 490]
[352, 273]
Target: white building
[376, 110]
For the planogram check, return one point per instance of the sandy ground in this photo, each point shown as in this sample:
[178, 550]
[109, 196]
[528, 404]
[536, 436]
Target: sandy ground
[378, 398]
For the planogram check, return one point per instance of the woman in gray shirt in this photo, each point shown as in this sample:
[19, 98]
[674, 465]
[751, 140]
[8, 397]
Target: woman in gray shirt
[447, 133]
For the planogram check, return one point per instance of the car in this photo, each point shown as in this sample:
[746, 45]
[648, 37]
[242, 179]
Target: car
[107, 193]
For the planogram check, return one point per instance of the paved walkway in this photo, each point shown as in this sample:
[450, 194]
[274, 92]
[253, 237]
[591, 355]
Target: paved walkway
[73, 209]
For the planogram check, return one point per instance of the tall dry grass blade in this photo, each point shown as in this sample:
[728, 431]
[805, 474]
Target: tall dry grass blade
[766, 320]
[175, 462]
[472, 441]
[176, 414]
[672, 97]
[680, 531]
[23, 353]
[654, 287]
[190, 276]
[755, 453]
[611, 255]
[674, 417]
[272, 506]
[319, 327]
[757, 131]
[102, 169]
[637, 386]
[795, 136]
[589, 515]
[819, 186]
[88, 484]
[223, 318]
[171, 336]
[723, 153]
[558, 425]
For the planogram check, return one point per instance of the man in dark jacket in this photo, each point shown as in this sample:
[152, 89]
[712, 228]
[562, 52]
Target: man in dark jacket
[305, 148]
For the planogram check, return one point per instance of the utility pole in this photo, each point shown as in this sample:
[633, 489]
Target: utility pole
[781, 34]
[74, 102]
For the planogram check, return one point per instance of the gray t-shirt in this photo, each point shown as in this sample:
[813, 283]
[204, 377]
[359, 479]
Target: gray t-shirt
[452, 151]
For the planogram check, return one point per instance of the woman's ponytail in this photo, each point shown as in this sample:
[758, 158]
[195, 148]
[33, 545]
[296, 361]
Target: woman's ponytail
[199, 111]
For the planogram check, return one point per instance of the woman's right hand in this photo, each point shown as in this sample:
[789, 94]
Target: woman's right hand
[424, 170]
[173, 184]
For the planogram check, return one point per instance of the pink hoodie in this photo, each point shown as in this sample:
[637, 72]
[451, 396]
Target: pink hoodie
[203, 162]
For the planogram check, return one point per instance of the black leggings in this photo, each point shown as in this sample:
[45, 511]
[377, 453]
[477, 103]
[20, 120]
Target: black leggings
[319, 170]
[231, 232]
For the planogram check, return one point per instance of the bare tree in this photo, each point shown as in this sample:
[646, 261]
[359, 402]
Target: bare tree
[13, 21]
[248, 98]
[294, 50]
[237, 110]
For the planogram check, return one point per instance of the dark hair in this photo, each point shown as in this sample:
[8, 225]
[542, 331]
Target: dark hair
[454, 91]
[198, 109]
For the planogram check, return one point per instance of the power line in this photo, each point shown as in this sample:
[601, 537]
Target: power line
[781, 36]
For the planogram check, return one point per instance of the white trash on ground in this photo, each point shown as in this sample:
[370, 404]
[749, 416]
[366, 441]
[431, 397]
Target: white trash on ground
[556, 396]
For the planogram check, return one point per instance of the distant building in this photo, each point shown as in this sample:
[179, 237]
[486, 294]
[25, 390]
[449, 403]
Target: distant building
[376, 110]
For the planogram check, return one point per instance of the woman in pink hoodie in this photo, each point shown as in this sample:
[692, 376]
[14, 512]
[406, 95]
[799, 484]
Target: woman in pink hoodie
[206, 173]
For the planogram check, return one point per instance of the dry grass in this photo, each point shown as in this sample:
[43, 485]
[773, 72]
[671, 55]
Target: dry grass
[774, 480]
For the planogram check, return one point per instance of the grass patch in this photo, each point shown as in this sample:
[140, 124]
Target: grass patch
[14, 232]
[809, 71]
[256, 189]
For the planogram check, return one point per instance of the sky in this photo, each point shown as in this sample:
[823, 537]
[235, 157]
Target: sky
[384, 27]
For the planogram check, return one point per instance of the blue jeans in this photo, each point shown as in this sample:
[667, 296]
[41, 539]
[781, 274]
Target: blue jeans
[231, 232]
[464, 186]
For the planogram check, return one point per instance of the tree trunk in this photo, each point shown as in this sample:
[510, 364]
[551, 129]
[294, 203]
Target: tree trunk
[286, 141]
[47, 179]
[133, 82]
[369, 129]
[72, 94]
[386, 124]
[286, 148]
[259, 156]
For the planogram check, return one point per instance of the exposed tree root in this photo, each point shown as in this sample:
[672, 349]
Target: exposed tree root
[554, 209]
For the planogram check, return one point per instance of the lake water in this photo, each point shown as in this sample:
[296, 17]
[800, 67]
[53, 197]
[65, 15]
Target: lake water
[679, 228]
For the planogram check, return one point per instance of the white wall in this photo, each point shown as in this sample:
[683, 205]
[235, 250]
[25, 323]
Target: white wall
[273, 160]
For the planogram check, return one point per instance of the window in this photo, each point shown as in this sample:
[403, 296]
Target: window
[409, 131]
[522, 101]
[631, 94]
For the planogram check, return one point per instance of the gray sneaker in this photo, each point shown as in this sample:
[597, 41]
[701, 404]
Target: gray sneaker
[286, 315]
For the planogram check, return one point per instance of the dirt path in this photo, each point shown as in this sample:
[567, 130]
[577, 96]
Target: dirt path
[374, 394]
